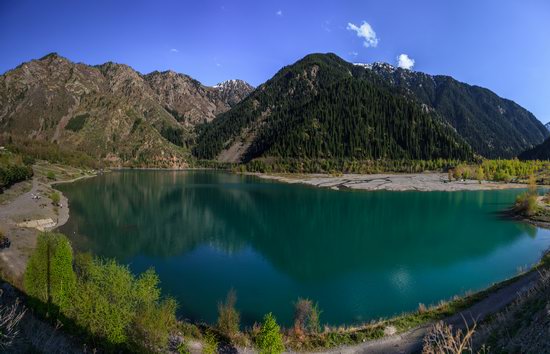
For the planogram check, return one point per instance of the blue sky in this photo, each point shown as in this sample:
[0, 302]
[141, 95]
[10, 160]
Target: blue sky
[502, 45]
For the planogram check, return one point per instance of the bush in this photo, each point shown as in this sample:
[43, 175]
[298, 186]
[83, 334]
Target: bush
[10, 316]
[441, 338]
[11, 173]
[270, 340]
[55, 197]
[228, 316]
[49, 276]
[526, 204]
[113, 304]
[76, 123]
[50, 175]
[306, 317]
[210, 343]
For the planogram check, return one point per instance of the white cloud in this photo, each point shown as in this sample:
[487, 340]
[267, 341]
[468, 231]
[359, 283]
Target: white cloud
[353, 54]
[366, 32]
[218, 65]
[279, 13]
[174, 50]
[404, 62]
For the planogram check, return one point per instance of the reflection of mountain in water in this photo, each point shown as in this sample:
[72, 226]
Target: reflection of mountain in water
[306, 233]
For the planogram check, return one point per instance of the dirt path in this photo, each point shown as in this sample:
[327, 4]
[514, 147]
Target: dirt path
[23, 240]
[23, 208]
[411, 341]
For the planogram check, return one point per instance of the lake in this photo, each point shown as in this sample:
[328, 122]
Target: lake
[361, 255]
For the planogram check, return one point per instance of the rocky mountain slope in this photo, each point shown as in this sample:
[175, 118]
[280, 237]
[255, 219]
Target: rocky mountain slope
[323, 107]
[495, 127]
[110, 111]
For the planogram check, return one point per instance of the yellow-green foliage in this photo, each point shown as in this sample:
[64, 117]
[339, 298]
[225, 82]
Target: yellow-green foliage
[500, 170]
[228, 316]
[270, 339]
[111, 303]
[526, 204]
[49, 276]
[210, 343]
[55, 197]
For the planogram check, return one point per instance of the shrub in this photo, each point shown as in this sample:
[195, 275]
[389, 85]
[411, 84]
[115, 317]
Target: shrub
[306, 316]
[228, 316]
[153, 324]
[77, 122]
[526, 203]
[49, 276]
[11, 173]
[113, 304]
[55, 197]
[441, 339]
[10, 316]
[210, 343]
[182, 348]
[270, 340]
[480, 175]
[50, 175]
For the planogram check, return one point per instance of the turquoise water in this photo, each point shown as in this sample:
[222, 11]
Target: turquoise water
[361, 255]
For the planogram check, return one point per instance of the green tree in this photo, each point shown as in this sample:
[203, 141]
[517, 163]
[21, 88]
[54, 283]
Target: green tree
[479, 174]
[49, 276]
[113, 304]
[228, 316]
[270, 340]
[55, 197]
[103, 301]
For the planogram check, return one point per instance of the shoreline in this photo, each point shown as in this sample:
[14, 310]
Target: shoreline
[403, 337]
[422, 182]
[20, 215]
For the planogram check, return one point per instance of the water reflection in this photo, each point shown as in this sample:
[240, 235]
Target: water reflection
[240, 231]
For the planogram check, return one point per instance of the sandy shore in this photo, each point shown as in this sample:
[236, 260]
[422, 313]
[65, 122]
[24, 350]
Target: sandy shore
[21, 208]
[392, 182]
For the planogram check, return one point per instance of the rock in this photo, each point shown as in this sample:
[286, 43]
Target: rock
[390, 331]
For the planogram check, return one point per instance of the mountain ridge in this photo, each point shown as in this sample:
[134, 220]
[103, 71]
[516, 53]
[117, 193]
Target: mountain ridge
[299, 113]
[110, 111]
[482, 117]
[115, 113]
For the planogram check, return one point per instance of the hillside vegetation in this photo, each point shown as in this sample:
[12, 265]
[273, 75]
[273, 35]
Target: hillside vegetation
[13, 168]
[110, 111]
[493, 126]
[324, 107]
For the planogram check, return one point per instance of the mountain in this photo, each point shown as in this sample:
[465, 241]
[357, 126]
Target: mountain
[495, 127]
[110, 111]
[323, 107]
[189, 101]
[547, 126]
[539, 152]
[233, 91]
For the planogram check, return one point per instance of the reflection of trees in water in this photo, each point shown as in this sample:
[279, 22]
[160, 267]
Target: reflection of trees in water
[124, 214]
[306, 233]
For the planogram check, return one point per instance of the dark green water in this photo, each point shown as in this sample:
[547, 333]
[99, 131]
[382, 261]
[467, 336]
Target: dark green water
[361, 255]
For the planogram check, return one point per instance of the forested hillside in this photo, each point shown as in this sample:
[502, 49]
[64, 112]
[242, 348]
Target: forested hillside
[324, 107]
[539, 152]
[493, 126]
